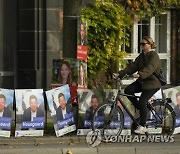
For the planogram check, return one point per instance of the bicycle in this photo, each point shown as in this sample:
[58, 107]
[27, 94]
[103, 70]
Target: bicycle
[160, 116]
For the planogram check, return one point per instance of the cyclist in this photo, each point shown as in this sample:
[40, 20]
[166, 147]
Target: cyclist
[142, 68]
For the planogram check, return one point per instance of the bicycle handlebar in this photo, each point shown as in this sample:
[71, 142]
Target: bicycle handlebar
[117, 78]
[125, 76]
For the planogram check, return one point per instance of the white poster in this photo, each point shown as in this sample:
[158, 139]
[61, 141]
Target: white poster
[6, 111]
[30, 113]
[89, 101]
[59, 101]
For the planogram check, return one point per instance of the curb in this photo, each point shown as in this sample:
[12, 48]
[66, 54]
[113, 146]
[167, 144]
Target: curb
[71, 140]
[42, 140]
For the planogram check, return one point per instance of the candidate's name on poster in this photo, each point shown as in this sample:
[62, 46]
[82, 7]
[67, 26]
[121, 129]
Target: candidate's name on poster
[5, 123]
[67, 121]
[37, 123]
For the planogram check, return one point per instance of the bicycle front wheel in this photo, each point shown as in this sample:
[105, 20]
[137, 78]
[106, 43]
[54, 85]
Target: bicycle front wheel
[162, 119]
[108, 120]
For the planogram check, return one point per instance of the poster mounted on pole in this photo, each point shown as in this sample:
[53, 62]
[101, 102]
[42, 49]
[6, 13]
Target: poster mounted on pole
[65, 71]
[82, 48]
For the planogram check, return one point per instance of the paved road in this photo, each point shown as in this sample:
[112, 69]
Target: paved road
[78, 145]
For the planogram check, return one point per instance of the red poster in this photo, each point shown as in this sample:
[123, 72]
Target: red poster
[82, 52]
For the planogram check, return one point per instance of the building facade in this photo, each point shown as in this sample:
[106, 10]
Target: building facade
[31, 36]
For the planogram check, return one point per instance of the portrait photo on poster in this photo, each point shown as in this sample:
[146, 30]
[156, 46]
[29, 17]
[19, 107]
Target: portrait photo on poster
[82, 42]
[6, 111]
[89, 101]
[59, 101]
[30, 112]
[65, 71]
[82, 33]
[82, 77]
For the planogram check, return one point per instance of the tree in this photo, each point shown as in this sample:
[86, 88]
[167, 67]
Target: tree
[71, 14]
[149, 8]
[108, 23]
[107, 26]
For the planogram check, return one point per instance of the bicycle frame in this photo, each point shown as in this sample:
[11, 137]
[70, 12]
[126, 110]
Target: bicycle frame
[152, 110]
[118, 98]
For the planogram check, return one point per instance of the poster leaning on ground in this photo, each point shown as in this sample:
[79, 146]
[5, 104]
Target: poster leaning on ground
[6, 111]
[89, 101]
[59, 101]
[30, 112]
[174, 94]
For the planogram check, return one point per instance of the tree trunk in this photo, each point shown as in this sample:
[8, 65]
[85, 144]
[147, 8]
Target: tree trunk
[72, 10]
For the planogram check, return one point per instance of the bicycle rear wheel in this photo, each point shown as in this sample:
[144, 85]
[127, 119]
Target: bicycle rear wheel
[110, 122]
[162, 120]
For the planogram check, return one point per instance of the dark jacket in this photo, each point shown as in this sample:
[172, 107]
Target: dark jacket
[7, 113]
[177, 111]
[89, 113]
[145, 65]
[27, 114]
[59, 114]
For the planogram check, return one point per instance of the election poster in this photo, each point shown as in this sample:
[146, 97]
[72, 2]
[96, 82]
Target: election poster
[174, 94]
[82, 48]
[6, 111]
[82, 75]
[30, 112]
[65, 71]
[89, 101]
[59, 101]
[110, 96]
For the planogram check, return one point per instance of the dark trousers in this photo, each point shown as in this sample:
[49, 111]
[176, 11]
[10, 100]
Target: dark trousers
[140, 104]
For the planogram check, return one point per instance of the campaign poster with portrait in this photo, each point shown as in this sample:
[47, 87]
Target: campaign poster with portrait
[82, 40]
[174, 94]
[82, 75]
[59, 101]
[65, 71]
[6, 111]
[30, 112]
[89, 101]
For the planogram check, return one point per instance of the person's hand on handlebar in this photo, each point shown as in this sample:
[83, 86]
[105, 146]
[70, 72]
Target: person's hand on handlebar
[115, 75]
[136, 75]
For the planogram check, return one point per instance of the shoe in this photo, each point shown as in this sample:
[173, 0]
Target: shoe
[140, 130]
[137, 114]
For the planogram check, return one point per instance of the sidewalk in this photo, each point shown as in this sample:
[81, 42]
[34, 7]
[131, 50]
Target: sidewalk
[49, 143]
[78, 145]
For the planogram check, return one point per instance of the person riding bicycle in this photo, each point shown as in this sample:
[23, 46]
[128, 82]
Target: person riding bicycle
[148, 84]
